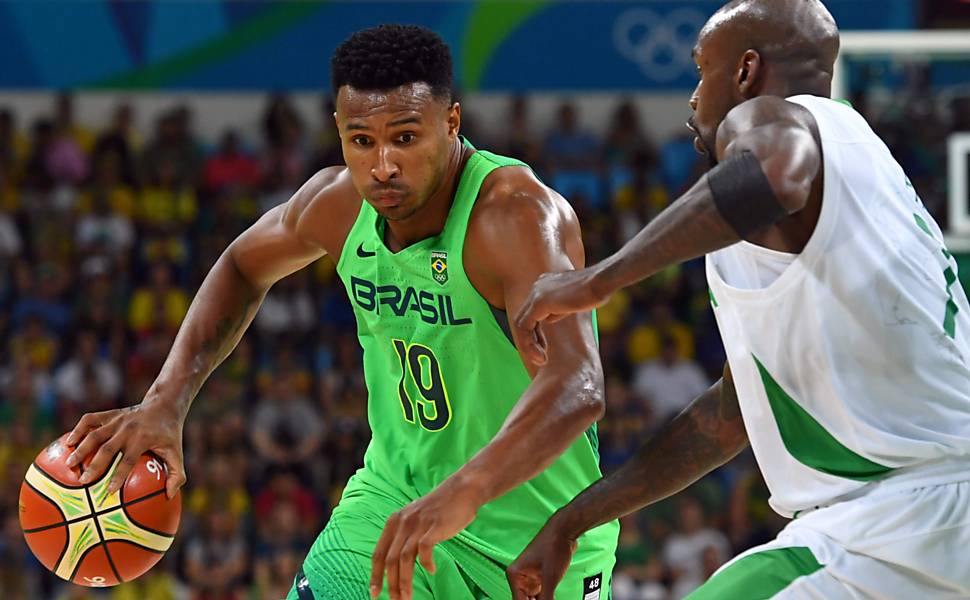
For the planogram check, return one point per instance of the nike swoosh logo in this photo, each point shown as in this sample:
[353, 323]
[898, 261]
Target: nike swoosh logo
[364, 253]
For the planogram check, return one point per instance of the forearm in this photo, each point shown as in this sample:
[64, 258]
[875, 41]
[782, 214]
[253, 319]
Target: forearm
[548, 418]
[219, 314]
[705, 436]
[769, 161]
[691, 227]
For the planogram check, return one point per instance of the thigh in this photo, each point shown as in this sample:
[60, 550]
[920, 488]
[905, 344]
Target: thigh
[773, 571]
[338, 565]
[905, 545]
[897, 544]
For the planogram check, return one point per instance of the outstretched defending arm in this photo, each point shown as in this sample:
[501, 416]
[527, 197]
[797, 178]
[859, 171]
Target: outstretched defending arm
[769, 161]
[706, 435]
[222, 310]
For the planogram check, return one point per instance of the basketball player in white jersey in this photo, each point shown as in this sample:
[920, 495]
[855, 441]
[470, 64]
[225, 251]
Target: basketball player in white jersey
[846, 331]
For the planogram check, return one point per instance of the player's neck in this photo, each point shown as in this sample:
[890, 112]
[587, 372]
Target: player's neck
[814, 83]
[429, 220]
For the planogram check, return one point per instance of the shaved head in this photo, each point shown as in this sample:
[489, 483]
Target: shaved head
[751, 48]
[800, 32]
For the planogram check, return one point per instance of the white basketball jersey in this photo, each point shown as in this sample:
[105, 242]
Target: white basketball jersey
[851, 359]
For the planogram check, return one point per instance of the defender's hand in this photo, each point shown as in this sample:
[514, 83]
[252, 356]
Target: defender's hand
[555, 295]
[413, 532]
[542, 565]
[131, 431]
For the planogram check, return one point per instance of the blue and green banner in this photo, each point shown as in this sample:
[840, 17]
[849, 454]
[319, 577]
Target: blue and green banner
[498, 45]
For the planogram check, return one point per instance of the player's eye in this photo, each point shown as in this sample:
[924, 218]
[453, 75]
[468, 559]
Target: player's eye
[360, 140]
[406, 138]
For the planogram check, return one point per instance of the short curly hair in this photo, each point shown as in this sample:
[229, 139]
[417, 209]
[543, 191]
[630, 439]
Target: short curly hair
[388, 56]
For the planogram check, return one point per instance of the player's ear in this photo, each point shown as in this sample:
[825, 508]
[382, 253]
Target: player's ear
[749, 73]
[454, 120]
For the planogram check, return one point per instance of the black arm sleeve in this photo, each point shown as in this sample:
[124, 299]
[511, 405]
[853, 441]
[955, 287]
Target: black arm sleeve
[743, 195]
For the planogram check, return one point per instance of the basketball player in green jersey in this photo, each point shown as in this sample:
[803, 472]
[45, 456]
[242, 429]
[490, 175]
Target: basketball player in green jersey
[435, 242]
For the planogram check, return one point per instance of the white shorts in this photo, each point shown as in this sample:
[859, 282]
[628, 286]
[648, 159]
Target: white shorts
[887, 545]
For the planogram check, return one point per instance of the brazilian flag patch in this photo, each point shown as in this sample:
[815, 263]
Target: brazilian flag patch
[439, 266]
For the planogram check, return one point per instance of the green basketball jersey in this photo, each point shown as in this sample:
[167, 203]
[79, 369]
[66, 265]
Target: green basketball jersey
[442, 376]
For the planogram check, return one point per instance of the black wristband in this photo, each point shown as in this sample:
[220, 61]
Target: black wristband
[743, 195]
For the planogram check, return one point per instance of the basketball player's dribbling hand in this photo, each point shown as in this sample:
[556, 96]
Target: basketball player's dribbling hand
[538, 570]
[131, 431]
[554, 296]
[412, 533]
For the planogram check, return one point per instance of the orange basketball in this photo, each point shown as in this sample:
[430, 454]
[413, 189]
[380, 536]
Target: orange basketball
[91, 538]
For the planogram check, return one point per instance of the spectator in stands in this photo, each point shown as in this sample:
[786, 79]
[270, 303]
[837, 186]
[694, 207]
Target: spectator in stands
[572, 159]
[633, 578]
[67, 126]
[521, 140]
[338, 384]
[110, 182]
[37, 176]
[67, 159]
[20, 444]
[646, 340]
[87, 373]
[35, 342]
[286, 428]
[283, 132]
[217, 558]
[123, 126]
[113, 146]
[683, 553]
[221, 486]
[159, 583]
[230, 165]
[327, 151]
[166, 202]
[281, 121]
[669, 383]
[288, 308]
[284, 488]
[344, 447]
[159, 304]
[626, 141]
[102, 302]
[13, 146]
[18, 569]
[10, 196]
[11, 243]
[568, 146]
[272, 573]
[174, 148]
[104, 231]
[281, 532]
[27, 392]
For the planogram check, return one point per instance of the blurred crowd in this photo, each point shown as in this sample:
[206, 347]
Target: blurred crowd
[105, 236]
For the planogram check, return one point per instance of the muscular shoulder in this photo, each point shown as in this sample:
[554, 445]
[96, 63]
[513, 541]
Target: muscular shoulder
[514, 207]
[769, 116]
[519, 225]
[324, 209]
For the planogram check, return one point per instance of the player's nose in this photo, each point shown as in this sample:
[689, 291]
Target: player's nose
[385, 168]
[693, 100]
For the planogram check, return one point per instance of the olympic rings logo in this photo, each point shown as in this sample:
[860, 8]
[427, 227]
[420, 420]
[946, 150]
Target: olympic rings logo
[659, 44]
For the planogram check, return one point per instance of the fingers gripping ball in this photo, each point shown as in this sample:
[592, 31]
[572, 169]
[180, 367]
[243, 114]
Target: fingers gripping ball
[91, 538]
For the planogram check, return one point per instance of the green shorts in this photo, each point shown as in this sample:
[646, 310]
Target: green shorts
[338, 565]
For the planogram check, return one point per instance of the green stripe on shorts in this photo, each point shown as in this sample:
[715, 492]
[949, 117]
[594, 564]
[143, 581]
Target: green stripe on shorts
[759, 576]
